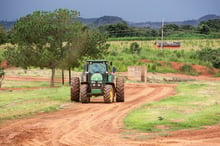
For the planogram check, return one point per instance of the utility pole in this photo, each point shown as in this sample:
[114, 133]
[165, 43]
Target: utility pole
[161, 46]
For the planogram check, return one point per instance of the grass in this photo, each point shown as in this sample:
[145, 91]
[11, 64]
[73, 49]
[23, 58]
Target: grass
[196, 105]
[122, 57]
[34, 72]
[23, 84]
[186, 44]
[20, 103]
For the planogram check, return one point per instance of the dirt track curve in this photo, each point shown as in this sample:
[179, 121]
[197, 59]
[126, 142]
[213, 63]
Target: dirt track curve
[97, 123]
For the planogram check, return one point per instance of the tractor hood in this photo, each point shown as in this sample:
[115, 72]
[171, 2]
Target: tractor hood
[96, 77]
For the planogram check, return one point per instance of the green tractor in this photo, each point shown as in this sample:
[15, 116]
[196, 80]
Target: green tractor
[97, 81]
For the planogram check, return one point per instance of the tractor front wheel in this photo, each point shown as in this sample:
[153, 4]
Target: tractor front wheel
[108, 94]
[75, 89]
[84, 93]
[120, 89]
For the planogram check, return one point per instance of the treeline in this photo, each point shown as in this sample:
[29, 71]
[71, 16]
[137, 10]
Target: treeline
[210, 28]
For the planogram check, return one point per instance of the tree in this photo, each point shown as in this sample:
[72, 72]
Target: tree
[84, 43]
[203, 29]
[187, 27]
[135, 48]
[2, 73]
[3, 35]
[214, 25]
[210, 55]
[170, 29]
[52, 40]
[39, 38]
[117, 30]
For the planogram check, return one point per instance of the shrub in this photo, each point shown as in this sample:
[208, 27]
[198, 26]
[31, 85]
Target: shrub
[188, 69]
[135, 48]
[210, 55]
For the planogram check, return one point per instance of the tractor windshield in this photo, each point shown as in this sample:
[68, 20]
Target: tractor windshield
[97, 68]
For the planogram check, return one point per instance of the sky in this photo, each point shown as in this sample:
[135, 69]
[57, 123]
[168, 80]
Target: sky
[129, 10]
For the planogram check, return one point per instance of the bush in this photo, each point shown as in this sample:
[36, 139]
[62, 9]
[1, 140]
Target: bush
[210, 55]
[188, 69]
[135, 48]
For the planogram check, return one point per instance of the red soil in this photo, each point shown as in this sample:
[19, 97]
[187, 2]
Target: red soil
[202, 70]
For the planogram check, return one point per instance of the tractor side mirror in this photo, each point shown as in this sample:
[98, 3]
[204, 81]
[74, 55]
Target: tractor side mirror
[114, 69]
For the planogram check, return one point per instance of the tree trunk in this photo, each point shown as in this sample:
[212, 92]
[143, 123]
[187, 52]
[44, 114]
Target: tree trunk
[52, 78]
[1, 79]
[69, 75]
[62, 76]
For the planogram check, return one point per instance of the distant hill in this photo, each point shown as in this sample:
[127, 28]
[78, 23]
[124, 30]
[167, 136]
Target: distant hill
[108, 20]
[157, 25]
[208, 17]
[105, 20]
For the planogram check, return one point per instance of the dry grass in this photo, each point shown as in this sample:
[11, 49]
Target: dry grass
[185, 44]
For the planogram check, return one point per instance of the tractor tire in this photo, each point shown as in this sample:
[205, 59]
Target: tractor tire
[119, 89]
[75, 89]
[84, 93]
[108, 94]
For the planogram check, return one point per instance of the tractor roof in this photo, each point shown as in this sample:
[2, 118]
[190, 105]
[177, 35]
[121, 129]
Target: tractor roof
[97, 61]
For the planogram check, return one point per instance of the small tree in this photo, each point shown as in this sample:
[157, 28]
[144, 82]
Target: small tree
[134, 48]
[203, 29]
[3, 35]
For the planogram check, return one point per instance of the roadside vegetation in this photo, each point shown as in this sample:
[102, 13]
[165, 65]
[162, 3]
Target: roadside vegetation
[195, 105]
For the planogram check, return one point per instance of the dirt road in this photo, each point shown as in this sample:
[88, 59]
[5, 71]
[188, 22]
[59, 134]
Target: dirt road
[97, 123]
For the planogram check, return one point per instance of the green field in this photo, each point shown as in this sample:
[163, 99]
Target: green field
[21, 103]
[185, 44]
[119, 53]
[195, 105]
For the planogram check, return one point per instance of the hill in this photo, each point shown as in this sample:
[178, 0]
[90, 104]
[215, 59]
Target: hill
[105, 20]
[208, 17]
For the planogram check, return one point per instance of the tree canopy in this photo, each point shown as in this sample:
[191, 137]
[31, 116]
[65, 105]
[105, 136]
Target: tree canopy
[47, 39]
[3, 35]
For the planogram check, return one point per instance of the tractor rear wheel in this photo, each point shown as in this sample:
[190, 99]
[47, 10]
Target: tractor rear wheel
[84, 93]
[119, 89]
[108, 94]
[75, 89]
